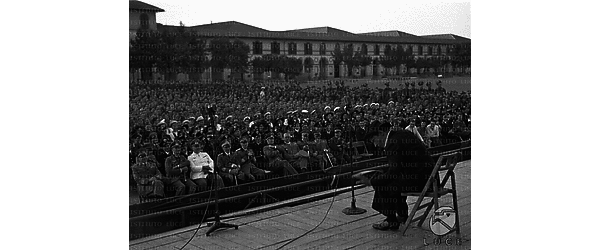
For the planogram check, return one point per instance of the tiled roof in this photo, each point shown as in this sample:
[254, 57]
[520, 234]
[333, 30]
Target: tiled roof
[324, 30]
[241, 30]
[231, 26]
[396, 33]
[448, 37]
[137, 5]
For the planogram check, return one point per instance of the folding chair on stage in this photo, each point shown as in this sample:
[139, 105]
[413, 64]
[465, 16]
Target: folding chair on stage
[434, 189]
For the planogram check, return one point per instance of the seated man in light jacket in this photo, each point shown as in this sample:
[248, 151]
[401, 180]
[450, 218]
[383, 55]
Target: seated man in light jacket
[202, 168]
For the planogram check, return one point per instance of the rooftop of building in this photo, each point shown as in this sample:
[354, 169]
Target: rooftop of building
[138, 5]
[447, 37]
[242, 30]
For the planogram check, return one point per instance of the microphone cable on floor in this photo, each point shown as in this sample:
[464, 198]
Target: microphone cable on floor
[203, 216]
[325, 217]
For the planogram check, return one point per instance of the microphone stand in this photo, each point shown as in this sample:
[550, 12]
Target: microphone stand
[353, 210]
[218, 224]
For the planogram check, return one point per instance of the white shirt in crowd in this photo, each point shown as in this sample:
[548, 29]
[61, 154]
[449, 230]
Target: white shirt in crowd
[414, 130]
[433, 131]
[197, 161]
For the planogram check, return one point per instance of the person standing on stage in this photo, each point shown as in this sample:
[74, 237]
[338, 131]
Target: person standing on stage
[410, 166]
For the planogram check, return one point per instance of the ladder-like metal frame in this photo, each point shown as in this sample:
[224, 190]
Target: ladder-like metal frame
[434, 189]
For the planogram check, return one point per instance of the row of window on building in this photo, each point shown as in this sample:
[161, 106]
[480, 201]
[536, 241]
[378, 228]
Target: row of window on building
[257, 49]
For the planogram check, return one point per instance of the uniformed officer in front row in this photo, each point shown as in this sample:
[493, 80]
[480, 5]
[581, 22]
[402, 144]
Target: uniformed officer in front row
[339, 146]
[274, 157]
[177, 168]
[246, 159]
[147, 177]
[203, 168]
[226, 167]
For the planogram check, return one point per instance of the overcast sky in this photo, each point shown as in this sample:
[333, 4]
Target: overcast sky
[414, 17]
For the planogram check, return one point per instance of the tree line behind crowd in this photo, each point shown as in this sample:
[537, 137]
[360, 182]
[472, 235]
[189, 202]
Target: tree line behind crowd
[182, 51]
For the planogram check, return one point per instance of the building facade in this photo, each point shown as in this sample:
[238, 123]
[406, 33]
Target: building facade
[314, 46]
[142, 16]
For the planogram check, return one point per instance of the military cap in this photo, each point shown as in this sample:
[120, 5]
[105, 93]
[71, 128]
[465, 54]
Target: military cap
[185, 121]
[200, 118]
[338, 130]
[192, 118]
[175, 145]
[304, 111]
[336, 109]
[247, 118]
[327, 107]
[172, 121]
[161, 122]
[267, 113]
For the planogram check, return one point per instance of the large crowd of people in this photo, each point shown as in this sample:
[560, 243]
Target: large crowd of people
[193, 136]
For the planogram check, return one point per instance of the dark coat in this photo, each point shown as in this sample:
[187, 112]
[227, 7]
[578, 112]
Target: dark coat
[224, 163]
[409, 163]
[174, 174]
[275, 162]
[409, 168]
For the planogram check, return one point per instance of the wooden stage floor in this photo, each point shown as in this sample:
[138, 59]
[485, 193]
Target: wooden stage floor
[272, 229]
